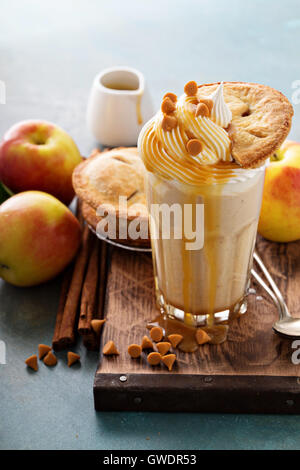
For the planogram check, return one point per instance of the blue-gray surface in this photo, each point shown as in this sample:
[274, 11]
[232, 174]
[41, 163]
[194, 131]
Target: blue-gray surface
[49, 53]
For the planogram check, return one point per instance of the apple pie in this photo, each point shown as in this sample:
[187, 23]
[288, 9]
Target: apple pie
[111, 183]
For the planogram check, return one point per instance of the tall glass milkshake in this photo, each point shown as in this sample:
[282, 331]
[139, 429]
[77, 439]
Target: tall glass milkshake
[202, 259]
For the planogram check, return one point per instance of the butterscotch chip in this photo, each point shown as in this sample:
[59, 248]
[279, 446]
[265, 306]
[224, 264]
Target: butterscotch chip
[97, 325]
[134, 350]
[202, 110]
[110, 348]
[168, 106]
[202, 337]
[156, 334]
[208, 102]
[146, 343]
[163, 347]
[154, 358]
[168, 123]
[43, 350]
[175, 339]
[32, 362]
[172, 97]
[169, 360]
[72, 358]
[194, 147]
[50, 360]
[191, 88]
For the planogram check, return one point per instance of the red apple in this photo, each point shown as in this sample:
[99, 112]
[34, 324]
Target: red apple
[280, 212]
[39, 236]
[38, 155]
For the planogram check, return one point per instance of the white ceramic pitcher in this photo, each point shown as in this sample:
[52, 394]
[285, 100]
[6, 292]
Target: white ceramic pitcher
[119, 105]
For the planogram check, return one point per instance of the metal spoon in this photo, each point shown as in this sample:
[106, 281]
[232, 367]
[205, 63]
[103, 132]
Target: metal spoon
[286, 325]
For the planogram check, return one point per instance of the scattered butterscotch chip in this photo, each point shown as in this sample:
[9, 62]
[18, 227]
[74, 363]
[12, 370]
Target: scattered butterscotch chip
[169, 360]
[97, 325]
[194, 147]
[175, 339]
[110, 348]
[50, 360]
[146, 343]
[134, 350]
[191, 88]
[202, 337]
[202, 110]
[172, 97]
[32, 362]
[208, 102]
[168, 106]
[163, 347]
[168, 123]
[72, 358]
[43, 350]
[156, 334]
[154, 358]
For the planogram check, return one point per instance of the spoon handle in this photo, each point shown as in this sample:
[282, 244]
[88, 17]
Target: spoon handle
[283, 310]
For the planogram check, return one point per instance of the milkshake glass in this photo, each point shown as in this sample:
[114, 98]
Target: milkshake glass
[209, 282]
[202, 274]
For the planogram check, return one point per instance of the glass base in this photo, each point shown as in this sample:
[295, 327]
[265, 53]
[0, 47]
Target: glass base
[218, 317]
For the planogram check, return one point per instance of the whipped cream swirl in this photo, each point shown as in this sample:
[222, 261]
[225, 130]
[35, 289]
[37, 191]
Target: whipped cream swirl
[220, 112]
[165, 151]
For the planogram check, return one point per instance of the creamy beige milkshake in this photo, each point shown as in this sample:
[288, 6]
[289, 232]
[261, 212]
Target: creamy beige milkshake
[187, 150]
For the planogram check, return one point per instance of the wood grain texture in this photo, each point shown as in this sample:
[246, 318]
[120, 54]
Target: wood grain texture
[252, 350]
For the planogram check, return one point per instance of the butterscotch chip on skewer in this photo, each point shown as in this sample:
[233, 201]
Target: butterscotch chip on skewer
[202, 337]
[43, 350]
[109, 349]
[194, 147]
[191, 88]
[156, 334]
[175, 339]
[168, 106]
[168, 123]
[97, 325]
[32, 362]
[202, 110]
[146, 343]
[154, 358]
[172, 97]
[169, 360]
[134, 350]
[50, 360]
[163, 347]
[72, 358]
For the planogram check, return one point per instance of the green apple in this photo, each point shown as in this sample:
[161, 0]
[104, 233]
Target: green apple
[280, 212]
[39, 236]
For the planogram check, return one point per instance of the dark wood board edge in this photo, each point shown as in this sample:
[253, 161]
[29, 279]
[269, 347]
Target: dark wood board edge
[197, 393]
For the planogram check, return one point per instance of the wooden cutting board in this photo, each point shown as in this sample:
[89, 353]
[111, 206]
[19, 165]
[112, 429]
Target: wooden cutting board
[251, 372]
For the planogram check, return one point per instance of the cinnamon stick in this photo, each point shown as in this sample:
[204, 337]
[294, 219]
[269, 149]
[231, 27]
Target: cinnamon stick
[56, 344]
[90, 340]
[68, 324]
[89, 292]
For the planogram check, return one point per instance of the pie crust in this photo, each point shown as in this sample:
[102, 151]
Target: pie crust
[102, 178]
[261, 120]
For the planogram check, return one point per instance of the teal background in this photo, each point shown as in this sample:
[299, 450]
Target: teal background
[49, 54]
